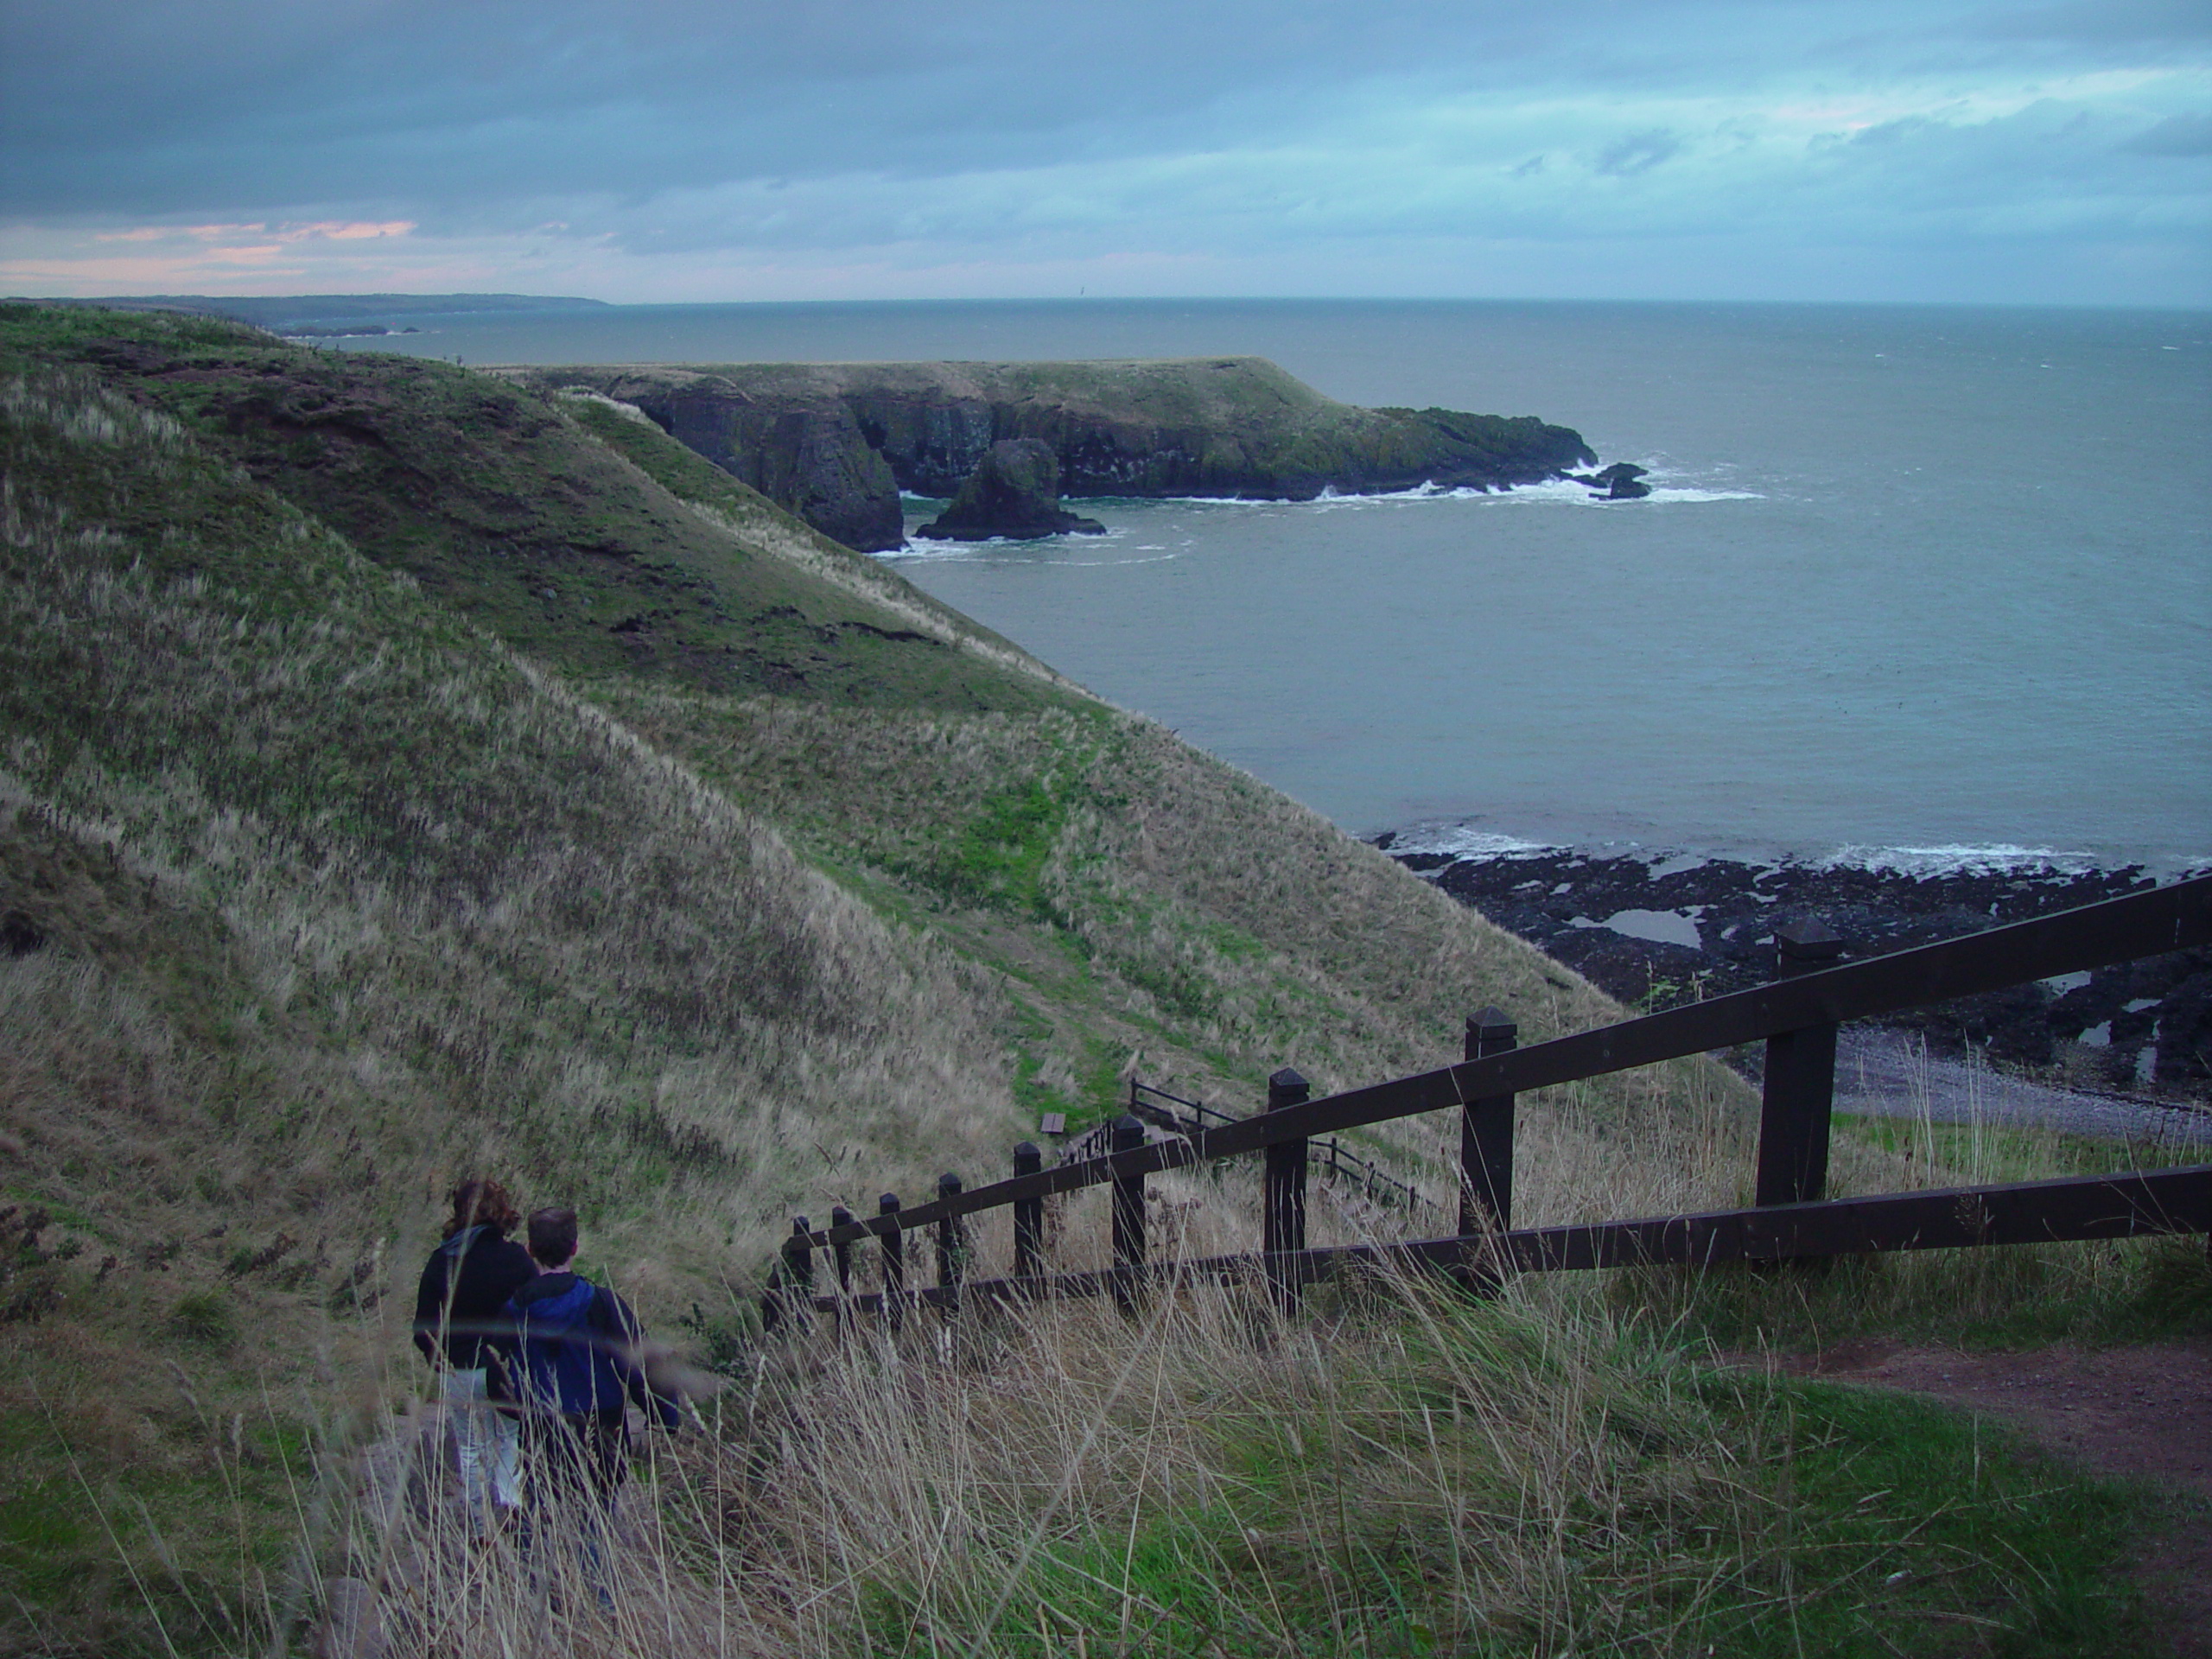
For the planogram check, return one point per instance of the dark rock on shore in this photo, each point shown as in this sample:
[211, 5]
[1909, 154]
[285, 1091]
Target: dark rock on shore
[835, 442]
[1015, 492]
[1616, 482]
[1658, 931]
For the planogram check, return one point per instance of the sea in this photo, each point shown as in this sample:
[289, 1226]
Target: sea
[1921, 588]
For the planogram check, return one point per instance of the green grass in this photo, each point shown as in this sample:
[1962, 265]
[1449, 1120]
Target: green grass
[1735, 1514]
[1992, 1152]
[2008, 1297]
[187, 1550]
[995, 860]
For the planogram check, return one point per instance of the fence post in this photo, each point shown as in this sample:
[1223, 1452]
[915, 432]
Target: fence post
[1486, 1135]
[842, 1253]
[1028, 1216]
[894, 1263]
[1800, 1088]
[951, 1247]
[1282, 1228]
[1128, 1215]
[798, 1273]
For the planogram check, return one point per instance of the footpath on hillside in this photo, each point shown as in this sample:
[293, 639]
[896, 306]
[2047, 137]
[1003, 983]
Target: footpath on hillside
[2141, 1413]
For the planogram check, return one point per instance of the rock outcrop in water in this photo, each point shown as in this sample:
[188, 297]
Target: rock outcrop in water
[837, 442]
[1015, 492]
[1618, 482]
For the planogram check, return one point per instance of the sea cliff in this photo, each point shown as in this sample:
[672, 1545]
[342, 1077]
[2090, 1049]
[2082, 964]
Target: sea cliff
[835, 443]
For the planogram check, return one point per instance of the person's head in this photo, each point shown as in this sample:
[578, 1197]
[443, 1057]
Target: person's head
[552, 1237]
[482, 1202]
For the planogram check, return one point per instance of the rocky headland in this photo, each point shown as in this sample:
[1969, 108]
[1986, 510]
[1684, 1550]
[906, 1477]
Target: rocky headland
[837, 442]
[1656, 930]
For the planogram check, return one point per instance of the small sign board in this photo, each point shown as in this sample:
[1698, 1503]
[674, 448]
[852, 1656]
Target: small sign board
[1053, 1123]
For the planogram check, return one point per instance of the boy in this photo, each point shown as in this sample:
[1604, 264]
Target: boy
[571, 1366]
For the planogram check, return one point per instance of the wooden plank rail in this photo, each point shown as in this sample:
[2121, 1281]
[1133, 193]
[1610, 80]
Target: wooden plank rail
[2135, 1205]
[1796, 1015]
[1158, 1107]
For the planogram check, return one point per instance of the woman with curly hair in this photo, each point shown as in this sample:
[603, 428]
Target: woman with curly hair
[465, 1284]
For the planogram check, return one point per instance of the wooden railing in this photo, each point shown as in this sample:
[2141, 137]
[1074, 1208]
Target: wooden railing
[1796, 1016]
[1193, 1119]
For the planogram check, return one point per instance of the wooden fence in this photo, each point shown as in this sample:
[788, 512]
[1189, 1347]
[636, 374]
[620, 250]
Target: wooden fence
[1796, 1016]
[1193, 1119]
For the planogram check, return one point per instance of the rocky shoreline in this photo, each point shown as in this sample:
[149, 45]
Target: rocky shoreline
[1655, 929]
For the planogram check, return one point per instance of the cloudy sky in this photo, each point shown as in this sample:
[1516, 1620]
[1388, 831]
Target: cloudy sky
[730, 150]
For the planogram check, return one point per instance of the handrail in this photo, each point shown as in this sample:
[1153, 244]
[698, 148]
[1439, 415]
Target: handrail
[1328, 1157]
[2151, 922]
[2131, 1205]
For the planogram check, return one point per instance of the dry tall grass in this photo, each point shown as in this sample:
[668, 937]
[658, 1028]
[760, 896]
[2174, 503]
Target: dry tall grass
[1399, 1470]
[1076, 1482]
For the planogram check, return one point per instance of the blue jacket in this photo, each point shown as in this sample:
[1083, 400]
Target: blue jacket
[571, 1352]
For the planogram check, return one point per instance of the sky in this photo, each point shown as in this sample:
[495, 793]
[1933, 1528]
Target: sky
[668, 150]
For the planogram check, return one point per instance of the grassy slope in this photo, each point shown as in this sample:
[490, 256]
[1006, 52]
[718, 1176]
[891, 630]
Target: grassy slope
[343, 893]
[340, 896]
[509, 513]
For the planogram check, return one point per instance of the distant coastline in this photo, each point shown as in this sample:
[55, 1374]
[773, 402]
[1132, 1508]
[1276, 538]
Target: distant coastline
[348, 312]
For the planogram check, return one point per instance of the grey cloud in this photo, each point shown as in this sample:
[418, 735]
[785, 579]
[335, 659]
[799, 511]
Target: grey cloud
[946, 128]
[2177, 135]
[2097, 23]
[156, 107]
[1639, 152]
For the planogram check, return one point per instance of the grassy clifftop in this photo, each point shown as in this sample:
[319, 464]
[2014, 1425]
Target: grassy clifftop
[1224, 393]
[551, 524]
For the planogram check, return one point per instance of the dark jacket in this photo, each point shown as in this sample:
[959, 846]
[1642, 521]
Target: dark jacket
[459, 1310]
[529, 1365]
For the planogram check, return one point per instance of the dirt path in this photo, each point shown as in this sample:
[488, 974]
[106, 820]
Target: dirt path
[2141, 1414]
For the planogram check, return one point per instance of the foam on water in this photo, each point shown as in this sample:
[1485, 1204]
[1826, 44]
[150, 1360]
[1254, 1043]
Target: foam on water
[1465, 840]
[1664, 494]
[2000, 858]
[923, 552]
[1561, 492]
